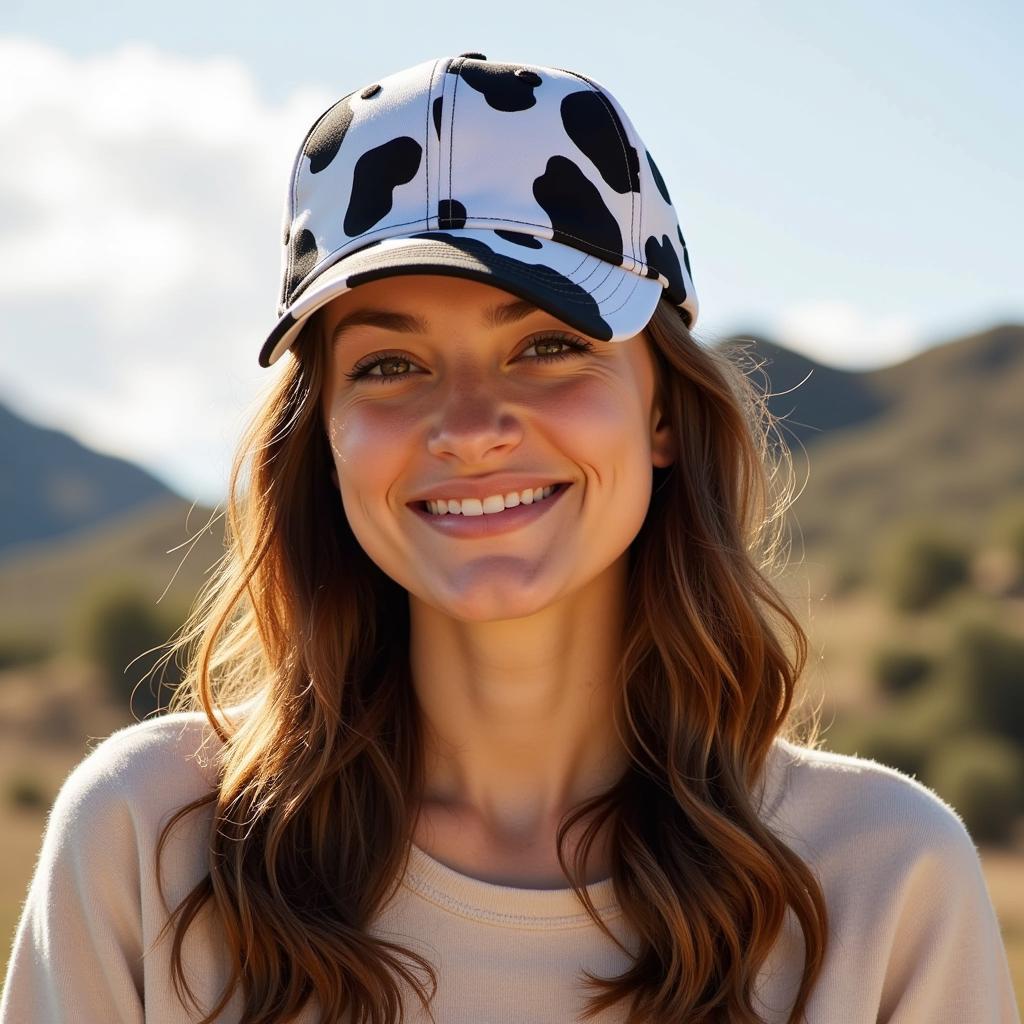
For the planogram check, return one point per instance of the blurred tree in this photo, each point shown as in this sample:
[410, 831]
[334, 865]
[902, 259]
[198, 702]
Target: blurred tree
[900, 670]
[921, 567]
[986, 666]
[118, 627]
[982, 777]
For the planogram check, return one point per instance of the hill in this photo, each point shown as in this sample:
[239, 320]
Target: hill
[53, 486]
[943, 445]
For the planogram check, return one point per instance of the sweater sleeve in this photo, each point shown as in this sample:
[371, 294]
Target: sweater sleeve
[77, 954]
[947, 964]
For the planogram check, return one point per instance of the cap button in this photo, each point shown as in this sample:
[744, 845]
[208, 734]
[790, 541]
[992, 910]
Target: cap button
[475, 56]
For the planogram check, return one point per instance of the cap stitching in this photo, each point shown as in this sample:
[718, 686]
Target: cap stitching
[590, 272]
[525, 269]
[570, 293]
[608, 297]
[321, 267]
[636, 284]
[446, 77]
[324, 265]
[426, 142]
[451, 133]
[584, 256]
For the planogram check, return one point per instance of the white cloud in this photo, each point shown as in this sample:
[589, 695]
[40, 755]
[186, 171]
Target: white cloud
[141, 202]
[839, 334]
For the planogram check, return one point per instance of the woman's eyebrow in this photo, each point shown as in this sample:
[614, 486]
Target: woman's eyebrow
[407, 323]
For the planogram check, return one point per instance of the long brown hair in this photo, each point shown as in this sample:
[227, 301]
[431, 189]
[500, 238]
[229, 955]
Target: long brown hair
[318, 786]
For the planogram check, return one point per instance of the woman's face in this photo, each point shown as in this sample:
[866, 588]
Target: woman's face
[463, 394]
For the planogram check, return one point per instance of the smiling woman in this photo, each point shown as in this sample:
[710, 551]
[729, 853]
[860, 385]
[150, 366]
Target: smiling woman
[554, 414]
[491, 702]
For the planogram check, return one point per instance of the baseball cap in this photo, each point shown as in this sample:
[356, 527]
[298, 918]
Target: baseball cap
[527, 177]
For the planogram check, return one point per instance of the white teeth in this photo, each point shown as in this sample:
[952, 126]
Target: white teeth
[491, 504]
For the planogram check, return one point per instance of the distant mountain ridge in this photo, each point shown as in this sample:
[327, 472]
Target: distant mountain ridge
[812, 397]
[936, 437]
[53, 486]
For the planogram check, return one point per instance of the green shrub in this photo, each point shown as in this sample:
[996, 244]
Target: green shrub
[982, 777]
[118, 627]
[905, 736]
[899, 670]
[26, 793]
[922, 568]
[986, 666]
[17, 649]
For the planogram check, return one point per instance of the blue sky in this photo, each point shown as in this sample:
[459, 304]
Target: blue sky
[848, 177]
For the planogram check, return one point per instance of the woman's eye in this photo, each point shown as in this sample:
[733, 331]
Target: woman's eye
[363, 369]
[571, 345]
[575, 346]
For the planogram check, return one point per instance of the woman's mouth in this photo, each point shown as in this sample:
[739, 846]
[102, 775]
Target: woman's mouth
[490, 523]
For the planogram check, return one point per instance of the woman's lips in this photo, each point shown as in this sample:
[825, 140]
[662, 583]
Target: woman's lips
[488, 525]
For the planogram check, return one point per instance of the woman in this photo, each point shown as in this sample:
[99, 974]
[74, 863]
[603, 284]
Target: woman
[489, 717]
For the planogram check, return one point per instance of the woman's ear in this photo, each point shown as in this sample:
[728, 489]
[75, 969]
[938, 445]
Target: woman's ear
[663, 442]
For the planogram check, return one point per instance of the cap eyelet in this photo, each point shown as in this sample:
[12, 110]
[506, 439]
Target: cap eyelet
[370, 90]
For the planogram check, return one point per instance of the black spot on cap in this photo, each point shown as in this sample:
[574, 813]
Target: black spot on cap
[436, 110]
[475, 56]
[304, 259]
[500, 85]
[658, 179]
[375, 176]
[451, 214]
[661, 255]
[686, 252]
[578, 214]
[370, 90]
[592, 123]
[520, 238]
[325, 138]
[526, 75]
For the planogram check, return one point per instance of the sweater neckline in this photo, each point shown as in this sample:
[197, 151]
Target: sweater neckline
[505, 904]
[514, 906]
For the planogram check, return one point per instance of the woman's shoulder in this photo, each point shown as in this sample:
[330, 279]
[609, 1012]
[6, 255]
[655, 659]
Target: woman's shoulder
[844, 806]
[139, 773]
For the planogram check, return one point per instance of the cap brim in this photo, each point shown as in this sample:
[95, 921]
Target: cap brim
[600, 299]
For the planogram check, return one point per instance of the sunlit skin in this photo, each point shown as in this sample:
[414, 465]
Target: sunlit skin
[514, 638]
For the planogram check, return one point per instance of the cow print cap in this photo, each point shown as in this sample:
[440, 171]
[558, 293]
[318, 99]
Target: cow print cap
[526, 177]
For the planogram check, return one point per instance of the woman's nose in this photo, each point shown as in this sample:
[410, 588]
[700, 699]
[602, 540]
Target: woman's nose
[472, 418]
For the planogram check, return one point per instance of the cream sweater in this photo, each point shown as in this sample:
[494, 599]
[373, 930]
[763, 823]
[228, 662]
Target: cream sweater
[915, 938]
